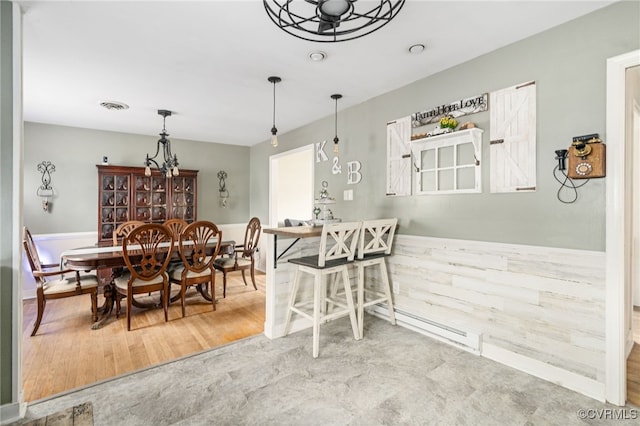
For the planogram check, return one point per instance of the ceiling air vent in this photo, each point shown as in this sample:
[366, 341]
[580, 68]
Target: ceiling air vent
[118, 106]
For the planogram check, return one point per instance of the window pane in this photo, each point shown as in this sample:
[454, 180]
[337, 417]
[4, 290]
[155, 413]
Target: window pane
[428, 159]
[466, 178]
[465, 154]
[445, 180]
[428, 181]
[445, 156]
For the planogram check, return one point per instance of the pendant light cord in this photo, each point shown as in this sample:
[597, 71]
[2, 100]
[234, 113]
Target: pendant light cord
[335, 139]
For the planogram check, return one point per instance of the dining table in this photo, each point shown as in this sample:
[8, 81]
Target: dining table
[112, 257]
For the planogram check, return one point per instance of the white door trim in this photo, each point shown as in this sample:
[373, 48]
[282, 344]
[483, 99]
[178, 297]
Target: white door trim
[616, 205]
[273, 167]
[270, 285]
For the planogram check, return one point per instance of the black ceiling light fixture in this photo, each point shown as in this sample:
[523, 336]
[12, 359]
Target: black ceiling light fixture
[331, 20]
[335, 138]
[169, 167]
[274, 131]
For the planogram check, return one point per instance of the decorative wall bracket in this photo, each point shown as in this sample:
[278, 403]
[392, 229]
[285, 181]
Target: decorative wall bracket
[222, 188]
[45, 191]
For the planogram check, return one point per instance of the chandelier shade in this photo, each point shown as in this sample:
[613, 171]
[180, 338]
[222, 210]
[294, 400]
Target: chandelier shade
[169, 166]
[331, 20]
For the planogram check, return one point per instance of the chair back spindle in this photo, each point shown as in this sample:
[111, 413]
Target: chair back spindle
[376, 237]
[338, 241]
[176, 226]
[124, 229]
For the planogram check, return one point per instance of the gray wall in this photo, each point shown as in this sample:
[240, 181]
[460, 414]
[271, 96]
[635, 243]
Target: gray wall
[568, 64]
[75, 152]
[6, 203]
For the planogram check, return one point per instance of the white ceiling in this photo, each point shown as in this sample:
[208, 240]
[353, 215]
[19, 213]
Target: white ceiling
[208, 61]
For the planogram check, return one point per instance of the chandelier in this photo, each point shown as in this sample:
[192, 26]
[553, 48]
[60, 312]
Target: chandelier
[331, 20]
[169, 167]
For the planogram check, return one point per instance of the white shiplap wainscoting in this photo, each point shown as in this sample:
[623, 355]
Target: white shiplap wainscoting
[537, 309]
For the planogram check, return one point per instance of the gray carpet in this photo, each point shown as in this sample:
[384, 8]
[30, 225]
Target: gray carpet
[392, 377]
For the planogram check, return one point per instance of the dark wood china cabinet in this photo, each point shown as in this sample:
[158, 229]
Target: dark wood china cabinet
[125, 193]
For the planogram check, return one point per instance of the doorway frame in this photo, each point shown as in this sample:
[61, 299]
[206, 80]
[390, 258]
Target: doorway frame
[273, 168]
[616, 206]
[270, 287]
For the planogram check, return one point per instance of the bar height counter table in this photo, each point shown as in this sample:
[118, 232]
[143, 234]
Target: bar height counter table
[295, 241]
[296, 232]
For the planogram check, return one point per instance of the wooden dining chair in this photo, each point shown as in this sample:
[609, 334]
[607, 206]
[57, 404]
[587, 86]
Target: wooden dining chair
[197, 269]
[337, 250]
[374, 246]
[176, 226]
[243, 256]
[124, 229]
[146, 251]
[73, 285]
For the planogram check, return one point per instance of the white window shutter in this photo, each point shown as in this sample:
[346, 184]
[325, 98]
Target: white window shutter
[399, 157]
[512, 138]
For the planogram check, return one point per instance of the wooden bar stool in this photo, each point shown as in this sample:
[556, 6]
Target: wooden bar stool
[376, 238]
[338, 243]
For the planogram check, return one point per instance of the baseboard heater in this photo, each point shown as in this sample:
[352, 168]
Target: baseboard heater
[466, 340]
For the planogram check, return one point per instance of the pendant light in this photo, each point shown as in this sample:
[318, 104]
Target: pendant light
[274, 131]
[335, 139]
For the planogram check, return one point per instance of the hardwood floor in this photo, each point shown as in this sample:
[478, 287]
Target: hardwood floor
[633, 363]
[66, 353]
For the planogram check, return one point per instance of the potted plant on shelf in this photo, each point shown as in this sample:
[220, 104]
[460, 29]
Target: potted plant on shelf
[447, 124]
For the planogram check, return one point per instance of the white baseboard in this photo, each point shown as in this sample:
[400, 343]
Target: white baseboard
[9, 413]
[542, 370]
[297, 324]
[628, 344]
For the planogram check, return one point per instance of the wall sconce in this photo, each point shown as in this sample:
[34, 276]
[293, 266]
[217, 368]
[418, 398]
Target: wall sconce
[45, 191]
[222, 188]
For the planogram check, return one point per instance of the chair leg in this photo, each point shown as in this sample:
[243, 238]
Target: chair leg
[292, 301]
[213, 290]
[183, 296]
[387, 292]
[253, 278]
[224, 284]
[243, 277]
[129, 305]
[361, 299]
[41, 303]
[317, 289]
[165, 301]
[352, 309]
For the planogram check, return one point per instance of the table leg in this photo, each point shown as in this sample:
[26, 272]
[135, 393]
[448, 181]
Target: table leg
[107, 308]
[206, 294]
